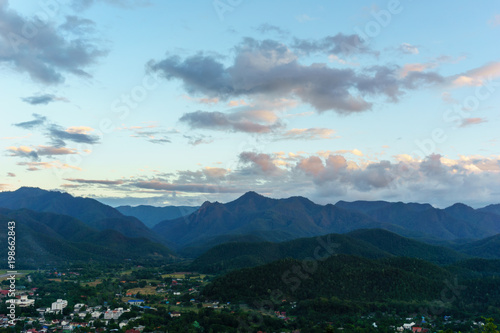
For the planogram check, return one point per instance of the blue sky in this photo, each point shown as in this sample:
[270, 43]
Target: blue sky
[175, 103]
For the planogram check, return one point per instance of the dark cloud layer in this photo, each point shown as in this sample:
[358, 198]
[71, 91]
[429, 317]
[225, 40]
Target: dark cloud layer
[39, 120]
[40, 99]
[339, 44]
[268, 68]
[57, 134]
[225, 122]
[85, 4]
[95, 181]
[42, 50]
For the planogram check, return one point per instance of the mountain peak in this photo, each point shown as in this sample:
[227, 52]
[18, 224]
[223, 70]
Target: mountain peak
[460, 206]
[205, 205]
[251, 194]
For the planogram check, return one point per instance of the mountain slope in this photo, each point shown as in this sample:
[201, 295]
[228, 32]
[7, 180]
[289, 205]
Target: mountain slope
[345, 284]
[89, 211]
[49, 238]
[235, 255]
[151, 215]
[400, 246]
[371, 243]
[341, 276]
[488, 248]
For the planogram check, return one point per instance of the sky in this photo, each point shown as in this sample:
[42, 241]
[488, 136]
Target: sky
[179, 102]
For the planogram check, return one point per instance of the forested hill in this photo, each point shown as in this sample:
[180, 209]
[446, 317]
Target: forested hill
[376, 243]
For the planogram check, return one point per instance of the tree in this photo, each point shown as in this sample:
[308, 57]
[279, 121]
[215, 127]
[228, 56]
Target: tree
[489, 326]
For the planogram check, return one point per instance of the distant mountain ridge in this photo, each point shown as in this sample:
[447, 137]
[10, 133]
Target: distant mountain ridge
[90, 211]
[151, 215]
[297, 217]
[455, 222]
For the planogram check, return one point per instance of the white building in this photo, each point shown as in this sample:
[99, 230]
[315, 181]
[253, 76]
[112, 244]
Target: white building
[408, 326]
[113, 314]
[23, 301]
[59, 305]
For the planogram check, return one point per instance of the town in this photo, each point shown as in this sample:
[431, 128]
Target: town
[133, 299]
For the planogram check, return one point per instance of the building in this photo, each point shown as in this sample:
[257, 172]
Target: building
[175, 314]
[113, 314]
[59, 305]
[23, 301]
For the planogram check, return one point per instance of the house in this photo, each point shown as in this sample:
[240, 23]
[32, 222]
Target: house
[132, 331]
[135, 301]
[96, 314]
[408, 326]
[419, 329]
[175, 314]
[79, 306]
[23, 301]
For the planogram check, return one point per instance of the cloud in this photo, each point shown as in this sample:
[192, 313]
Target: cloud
[36, 152]
[78, 25]
[308, 134]
[46, 53]
[151, 133]
[94, 181]
[38, 121]
[408, 48]
[417, 67]
[198, 139]
[495, 21]
[235, 122]
[339, 44]
[326, 177]
[356, 152]
[23, 151]
[128, 4]
[198, 188]
[215, 173]
[36, 166]
[267, 28]
[259, 164]
[433, 63]
[477, 76]
[58, 136]
[448, 98]
[42, 99]
[472, 121]
[268, 69]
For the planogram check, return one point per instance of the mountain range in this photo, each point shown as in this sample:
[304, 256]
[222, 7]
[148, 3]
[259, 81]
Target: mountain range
[255, 218]
[286, 219]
